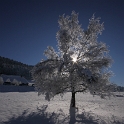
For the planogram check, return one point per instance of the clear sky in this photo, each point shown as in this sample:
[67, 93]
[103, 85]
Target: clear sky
[27, 27]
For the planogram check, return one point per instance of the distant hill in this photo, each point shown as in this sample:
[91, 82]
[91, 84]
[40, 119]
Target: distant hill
[12, 67]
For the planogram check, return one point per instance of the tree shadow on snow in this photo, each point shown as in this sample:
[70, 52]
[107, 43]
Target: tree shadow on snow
[91, 118]
[43, 117]
[83, 118]
[39, 117]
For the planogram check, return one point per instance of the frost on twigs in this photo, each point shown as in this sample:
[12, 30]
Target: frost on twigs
[81, 63]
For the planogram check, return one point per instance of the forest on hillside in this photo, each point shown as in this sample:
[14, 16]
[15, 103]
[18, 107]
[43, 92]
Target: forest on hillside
[12, 67]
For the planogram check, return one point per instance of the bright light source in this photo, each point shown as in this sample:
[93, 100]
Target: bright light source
[74, 59]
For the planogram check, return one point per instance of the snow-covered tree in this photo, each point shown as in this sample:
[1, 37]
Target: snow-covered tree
[80, 65]
[8, 80]
[15, 82]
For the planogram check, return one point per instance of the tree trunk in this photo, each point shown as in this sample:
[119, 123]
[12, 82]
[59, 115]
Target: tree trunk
[73, 99]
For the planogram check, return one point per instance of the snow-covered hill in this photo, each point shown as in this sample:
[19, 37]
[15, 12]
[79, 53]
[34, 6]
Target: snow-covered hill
[22, 107]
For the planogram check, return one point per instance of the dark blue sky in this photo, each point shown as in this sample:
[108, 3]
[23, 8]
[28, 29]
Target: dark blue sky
[27, 27]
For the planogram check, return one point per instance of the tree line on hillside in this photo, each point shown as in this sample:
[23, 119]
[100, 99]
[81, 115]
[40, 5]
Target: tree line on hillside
[12, 67]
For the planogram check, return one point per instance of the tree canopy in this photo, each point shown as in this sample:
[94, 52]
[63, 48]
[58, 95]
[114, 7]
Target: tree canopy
[81, 63]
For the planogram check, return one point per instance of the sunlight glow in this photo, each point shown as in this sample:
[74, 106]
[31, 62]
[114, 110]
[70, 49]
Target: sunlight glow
[74, 59]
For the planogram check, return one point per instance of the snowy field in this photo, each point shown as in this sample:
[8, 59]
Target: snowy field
[22, 105]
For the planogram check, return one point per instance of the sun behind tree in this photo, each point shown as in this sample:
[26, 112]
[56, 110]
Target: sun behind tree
[79, 66]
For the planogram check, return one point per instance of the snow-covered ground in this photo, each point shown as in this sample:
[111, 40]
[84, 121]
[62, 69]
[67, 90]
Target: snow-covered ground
[20, 107]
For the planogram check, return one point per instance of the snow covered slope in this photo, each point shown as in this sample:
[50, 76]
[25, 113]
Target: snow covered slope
[21, 107]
